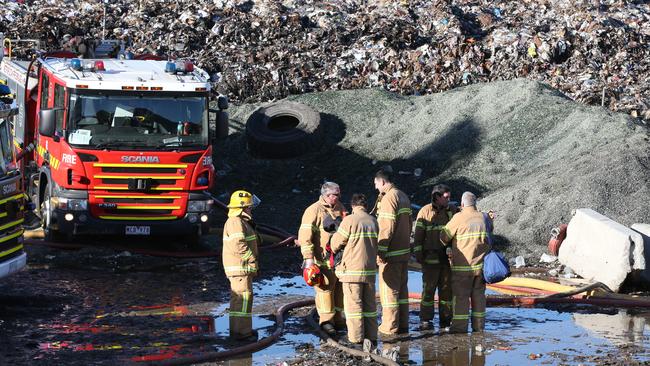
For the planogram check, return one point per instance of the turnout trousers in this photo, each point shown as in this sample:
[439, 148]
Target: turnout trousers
[329, 300]
[465, 287]
[241, 306]
[436, 277]
[394, 296]
[360, 310]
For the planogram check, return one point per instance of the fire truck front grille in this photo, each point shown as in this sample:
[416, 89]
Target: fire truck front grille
[127, 206]
[139, 170]
[139, 200]
[154, 182]
[131, 212]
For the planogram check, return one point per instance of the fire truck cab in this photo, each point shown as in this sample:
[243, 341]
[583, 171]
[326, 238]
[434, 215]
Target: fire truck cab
[121, 146]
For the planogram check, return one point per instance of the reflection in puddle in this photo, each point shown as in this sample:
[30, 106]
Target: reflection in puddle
[513, 335]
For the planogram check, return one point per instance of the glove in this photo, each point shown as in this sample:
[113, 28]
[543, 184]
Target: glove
[307, 263]
[449, 254]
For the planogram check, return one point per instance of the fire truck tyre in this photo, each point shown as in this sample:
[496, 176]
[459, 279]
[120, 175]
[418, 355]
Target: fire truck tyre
[283, 130]
[47, 213]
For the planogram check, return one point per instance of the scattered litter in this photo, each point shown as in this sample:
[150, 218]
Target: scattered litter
[520, 262]
[264, 50]
[546, 258]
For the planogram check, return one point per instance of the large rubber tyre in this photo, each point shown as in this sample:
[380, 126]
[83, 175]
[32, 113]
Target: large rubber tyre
[283, 130]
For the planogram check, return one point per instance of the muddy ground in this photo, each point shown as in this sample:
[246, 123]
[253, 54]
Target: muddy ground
[99, 306]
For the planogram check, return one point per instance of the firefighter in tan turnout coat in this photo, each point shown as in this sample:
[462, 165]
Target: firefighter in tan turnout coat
[357, 238]
[430, 253]
[240, 243]
[467, 234]
[319, 222]
[393, 253]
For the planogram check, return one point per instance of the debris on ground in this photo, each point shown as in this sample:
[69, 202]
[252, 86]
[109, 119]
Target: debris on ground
[595, 52]
[600, 249]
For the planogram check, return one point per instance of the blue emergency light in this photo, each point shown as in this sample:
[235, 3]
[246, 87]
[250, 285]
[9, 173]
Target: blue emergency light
[170, 67]
[76, 64]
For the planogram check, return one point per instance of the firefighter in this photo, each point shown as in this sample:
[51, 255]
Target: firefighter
[430, 253]
[240, 242]
[466, 233]
[393, 252]
[319, 222]
[357, 238]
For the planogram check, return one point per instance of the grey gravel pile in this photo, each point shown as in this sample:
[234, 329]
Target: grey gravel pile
[532, 154]
[595, 51]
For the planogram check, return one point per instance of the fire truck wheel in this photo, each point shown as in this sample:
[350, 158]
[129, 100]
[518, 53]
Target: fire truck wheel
[283, 130]
[46, 220]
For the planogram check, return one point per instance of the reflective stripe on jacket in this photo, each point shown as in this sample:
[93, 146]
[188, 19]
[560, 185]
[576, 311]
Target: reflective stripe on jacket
[467, 233]
[312, 237]
[357, 237]
[240, 242]
[395, 222]
[428, 225]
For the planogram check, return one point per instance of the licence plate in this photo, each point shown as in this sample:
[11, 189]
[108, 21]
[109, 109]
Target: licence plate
[138, 230]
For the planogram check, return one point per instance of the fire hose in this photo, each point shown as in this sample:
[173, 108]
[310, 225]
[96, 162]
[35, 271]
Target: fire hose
[351, 351]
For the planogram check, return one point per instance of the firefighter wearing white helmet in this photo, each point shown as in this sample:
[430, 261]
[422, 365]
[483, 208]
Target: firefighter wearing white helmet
[240, 243]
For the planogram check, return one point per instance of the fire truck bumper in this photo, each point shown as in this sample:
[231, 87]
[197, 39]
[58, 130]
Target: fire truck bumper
[13, 265]
[83, 223]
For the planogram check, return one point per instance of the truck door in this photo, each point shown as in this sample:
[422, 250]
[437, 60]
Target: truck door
[48, 149]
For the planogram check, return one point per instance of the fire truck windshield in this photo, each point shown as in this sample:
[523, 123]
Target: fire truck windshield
[7, 162]
[137, 120]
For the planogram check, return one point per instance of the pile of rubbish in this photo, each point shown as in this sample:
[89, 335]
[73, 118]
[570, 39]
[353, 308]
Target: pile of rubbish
[595, 51]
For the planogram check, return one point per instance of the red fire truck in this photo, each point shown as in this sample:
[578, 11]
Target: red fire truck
[121, 146]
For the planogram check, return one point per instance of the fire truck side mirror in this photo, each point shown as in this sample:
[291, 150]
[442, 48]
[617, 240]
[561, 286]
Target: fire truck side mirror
[222, 102]
[220, 123]
[47, 121]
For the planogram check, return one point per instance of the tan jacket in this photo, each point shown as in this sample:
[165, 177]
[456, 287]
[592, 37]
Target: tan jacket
[428, 225]
[357, 237]
[467, 233]
[240, 241]
[312, 235]
[395, 222]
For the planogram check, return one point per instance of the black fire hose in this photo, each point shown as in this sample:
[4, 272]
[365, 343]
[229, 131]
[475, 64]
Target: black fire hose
[350, 351]
[249, 348]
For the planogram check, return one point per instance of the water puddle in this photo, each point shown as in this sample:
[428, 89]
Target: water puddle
[512, 336]
[566, 335]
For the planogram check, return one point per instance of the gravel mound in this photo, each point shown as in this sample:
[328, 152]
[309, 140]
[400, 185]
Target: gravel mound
[532, 154]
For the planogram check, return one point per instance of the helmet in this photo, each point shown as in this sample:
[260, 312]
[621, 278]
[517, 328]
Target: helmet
[312, 275]
[240, 200]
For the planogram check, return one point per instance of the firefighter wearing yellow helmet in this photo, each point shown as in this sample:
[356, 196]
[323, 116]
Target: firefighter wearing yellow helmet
[240, 243]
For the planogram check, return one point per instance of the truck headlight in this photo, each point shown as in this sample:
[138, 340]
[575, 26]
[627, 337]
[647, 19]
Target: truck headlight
[70, 204]
[199, 206]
